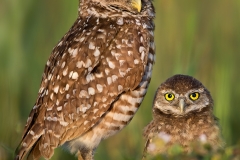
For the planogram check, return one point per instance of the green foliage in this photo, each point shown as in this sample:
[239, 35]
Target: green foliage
[200, 38]
[199, 152]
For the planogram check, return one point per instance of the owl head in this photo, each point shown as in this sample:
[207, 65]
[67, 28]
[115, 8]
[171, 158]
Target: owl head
[123, 5]
[181, 95]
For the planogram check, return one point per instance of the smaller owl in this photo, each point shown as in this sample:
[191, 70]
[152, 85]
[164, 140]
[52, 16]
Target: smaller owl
[182, 114]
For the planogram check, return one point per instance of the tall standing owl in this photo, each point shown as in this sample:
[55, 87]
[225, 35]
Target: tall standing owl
[94, 80]
[182, 114]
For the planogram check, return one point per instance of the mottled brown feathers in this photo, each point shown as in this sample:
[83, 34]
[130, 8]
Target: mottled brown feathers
[170, 124]
[181, 83]
[94, 80]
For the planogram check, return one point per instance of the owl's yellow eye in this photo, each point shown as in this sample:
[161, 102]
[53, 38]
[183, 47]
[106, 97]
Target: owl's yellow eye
[194, 96]
[169, 96]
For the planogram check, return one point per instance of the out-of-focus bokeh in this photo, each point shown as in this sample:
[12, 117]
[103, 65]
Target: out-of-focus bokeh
[200, 38]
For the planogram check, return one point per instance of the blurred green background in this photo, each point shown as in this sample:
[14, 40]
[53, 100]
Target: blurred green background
[200, 38]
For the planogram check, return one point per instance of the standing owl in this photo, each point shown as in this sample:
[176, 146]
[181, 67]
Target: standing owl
[94, 80]
[182, 114]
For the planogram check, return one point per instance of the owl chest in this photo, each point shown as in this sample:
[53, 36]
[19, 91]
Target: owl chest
[185, 133]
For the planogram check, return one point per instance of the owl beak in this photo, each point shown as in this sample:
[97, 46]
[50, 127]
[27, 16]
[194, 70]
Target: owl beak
[181, 105]
[137, 4]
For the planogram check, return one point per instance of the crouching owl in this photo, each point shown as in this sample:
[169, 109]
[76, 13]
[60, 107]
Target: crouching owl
[182, 114]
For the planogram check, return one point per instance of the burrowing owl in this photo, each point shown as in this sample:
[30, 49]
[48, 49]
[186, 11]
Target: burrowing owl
[182, 114]
[94, 80]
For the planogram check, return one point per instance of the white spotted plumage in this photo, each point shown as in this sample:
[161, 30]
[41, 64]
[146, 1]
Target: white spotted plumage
[94, 80]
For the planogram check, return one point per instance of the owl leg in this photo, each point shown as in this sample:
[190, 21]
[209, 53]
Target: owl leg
[80, 156]
[86, 154]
